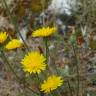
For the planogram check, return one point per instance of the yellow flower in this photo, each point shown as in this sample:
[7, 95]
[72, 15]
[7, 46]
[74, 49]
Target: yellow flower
[13, 44]
[34, 62]
[3, 36]
[52, 83]
[44, 32]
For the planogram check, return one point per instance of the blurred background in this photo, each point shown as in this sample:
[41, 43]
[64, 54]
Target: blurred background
[68, 16]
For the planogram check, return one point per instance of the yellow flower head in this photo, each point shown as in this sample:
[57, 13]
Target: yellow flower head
[3, 36]
[44, 32]
[34, 62]
[52, 83]
[13, 44]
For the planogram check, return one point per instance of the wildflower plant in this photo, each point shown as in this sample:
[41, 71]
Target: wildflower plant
[36, 63]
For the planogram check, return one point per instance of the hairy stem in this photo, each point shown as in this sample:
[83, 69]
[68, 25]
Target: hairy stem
[71, 94]
[77, 69]
[47, 49]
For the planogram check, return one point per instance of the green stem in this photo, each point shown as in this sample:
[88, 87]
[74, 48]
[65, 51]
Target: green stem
[56, 93]
[77, 67]
[39, 80]
[9, 65]
[18, 78]
[59, 94]
[47, 49]
[53, 94]
[13, 20]
[71, 94]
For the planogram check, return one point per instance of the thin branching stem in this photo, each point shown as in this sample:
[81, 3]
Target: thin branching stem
[77, 69]
[17, 77]
[14, 21]
[70, 89]
[39, 80]
[47, 49]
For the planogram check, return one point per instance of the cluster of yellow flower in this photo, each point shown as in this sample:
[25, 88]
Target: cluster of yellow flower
[34, 62]
[13, 44]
